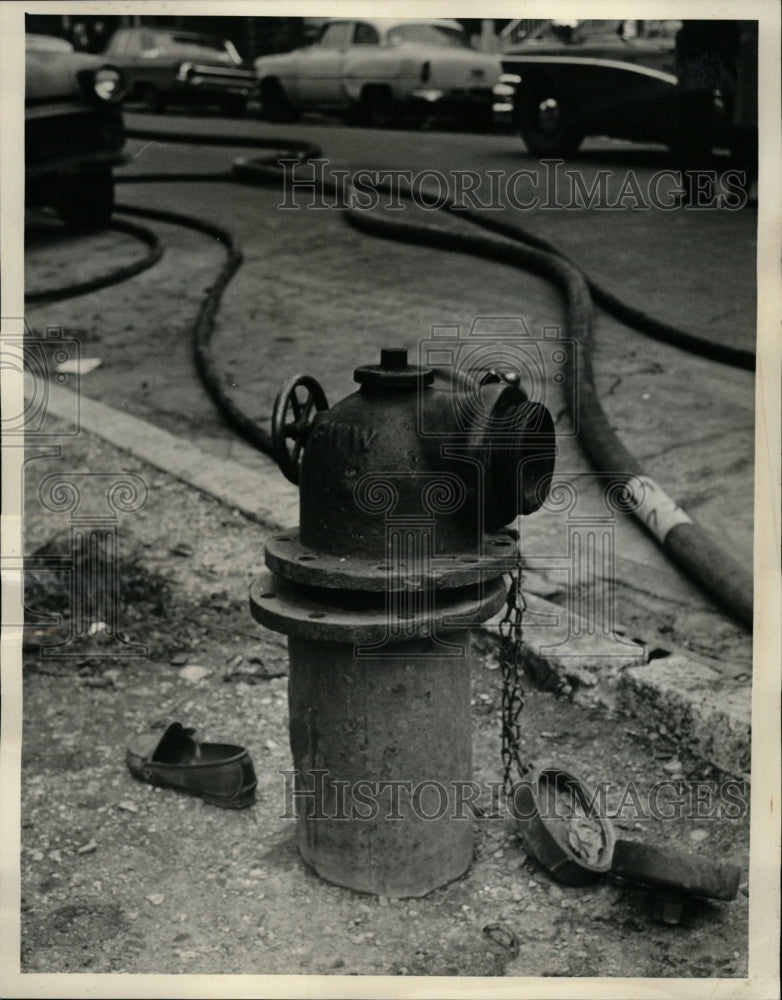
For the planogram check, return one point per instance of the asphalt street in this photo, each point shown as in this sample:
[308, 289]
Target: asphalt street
[316, 296]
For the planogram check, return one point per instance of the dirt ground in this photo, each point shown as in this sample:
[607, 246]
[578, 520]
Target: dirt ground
[118, 876]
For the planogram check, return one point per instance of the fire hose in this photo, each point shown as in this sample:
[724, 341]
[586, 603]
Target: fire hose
[683, 541]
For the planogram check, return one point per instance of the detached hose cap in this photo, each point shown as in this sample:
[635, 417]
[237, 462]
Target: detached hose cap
[561, 827]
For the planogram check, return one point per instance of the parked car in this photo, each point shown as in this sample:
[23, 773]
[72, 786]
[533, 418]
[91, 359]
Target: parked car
[74, 132]
[582, 78]
[168, 66]
[376, 70]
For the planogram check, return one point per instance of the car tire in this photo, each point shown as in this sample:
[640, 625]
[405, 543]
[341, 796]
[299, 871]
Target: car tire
[151, 98]
[85, 201]
[234, 106]
[545, 122]
[275, 103]
[380, 108]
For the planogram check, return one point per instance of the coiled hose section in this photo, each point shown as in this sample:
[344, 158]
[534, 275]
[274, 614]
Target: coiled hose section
[686, 543]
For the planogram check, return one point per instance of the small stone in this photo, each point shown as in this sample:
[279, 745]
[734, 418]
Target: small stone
[698, 835]
[156, 898]
[337, 963]
[182, 549]
[55, 856]
[88, 848]
[37, 856]
[128, 806]
[271, 745]
[178, 659]
[672, 766]
[194, 673]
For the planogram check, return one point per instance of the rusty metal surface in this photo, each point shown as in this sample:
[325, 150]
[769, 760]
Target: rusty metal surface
[281, 606]
[287, 557]
[682, 874]
[402, 718]
[542, 822]
[393, 371]
[447, 461]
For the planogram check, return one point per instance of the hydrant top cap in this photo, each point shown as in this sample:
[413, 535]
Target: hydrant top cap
[393, 371]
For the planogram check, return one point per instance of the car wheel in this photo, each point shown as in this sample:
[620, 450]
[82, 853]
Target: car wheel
[152, 99]
[380, 108]
[86, 200]
[234, 106]
[545, 121]
[275, 103]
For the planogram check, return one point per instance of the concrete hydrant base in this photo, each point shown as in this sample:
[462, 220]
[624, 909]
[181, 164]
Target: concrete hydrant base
[382, 747]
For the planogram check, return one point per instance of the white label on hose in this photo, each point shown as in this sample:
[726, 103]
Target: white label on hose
[655, 508]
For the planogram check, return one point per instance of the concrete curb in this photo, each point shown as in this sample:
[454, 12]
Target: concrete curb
[263, 496]
[675, 691]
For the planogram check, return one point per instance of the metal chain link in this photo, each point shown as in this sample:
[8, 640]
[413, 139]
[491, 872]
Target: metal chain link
[510, 628]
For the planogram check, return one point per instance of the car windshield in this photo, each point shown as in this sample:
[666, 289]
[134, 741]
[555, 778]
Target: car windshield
[201, 47]
[428, 34]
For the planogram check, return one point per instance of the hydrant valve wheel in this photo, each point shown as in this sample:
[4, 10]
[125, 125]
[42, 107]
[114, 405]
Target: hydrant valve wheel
[295, 410]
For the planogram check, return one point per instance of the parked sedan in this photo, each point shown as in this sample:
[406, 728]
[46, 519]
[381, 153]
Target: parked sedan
[73, 131]
[164, 65]
[584, 78]
[376, 70]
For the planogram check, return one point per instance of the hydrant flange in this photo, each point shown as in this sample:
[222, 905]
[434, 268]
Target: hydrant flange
[283, 607]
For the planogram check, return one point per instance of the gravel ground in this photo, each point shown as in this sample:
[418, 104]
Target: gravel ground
[120, 877]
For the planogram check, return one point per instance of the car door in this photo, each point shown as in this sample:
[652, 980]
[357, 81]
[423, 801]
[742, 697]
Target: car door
[321, 66]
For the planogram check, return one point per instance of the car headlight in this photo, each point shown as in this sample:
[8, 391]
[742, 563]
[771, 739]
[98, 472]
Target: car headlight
[106, 84]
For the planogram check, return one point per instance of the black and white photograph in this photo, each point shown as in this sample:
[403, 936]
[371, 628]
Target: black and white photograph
[391, 499]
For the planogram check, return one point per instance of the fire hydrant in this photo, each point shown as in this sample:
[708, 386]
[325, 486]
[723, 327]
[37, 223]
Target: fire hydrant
[405, 489]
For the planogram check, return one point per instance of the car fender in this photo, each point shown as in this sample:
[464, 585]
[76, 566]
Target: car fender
[54, 74]
[602, 93]
[376, 68]
[283, 67]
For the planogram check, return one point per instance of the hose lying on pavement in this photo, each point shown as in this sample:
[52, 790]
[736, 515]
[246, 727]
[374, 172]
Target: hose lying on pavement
[691, 548]
[113, 277]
